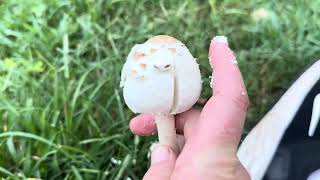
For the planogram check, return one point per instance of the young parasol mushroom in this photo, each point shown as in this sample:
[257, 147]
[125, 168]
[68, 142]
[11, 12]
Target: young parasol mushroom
[161, 77]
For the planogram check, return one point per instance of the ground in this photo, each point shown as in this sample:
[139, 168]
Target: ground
[62, 114]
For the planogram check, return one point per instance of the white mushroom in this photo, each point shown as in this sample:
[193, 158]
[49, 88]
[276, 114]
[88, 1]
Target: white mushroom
[161, 77]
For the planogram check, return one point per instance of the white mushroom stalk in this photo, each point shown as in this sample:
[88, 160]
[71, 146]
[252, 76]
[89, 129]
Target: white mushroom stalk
[161, 77]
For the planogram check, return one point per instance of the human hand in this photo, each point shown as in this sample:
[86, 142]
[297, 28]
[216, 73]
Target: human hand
[209, 138]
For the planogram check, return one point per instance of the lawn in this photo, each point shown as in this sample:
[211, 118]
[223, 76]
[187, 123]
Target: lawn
[62, 114]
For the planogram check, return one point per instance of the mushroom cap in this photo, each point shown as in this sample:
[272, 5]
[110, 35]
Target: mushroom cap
[160, 76]
[162, 39]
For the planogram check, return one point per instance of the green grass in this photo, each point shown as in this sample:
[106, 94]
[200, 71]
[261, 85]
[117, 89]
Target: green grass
[62, 114]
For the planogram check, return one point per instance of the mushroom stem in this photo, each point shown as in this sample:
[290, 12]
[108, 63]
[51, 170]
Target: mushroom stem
[167, 131]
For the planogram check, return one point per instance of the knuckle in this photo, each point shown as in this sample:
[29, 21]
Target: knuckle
[158, 172]
[222, 167]
[241, 100]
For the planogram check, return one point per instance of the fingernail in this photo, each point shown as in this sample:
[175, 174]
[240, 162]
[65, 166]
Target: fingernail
[159, 154]
[220, 39]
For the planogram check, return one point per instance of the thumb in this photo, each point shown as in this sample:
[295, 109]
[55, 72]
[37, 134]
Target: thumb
[162, 163]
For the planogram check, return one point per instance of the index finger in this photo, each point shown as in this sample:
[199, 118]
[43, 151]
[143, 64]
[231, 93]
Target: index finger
[225, 111]
[222, 119]
[226, 76]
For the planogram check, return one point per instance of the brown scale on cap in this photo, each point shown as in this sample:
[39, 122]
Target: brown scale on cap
[134, 72]
[153, 50]
[173, 50]
[162, 39]
[142, 65]
[137, 56]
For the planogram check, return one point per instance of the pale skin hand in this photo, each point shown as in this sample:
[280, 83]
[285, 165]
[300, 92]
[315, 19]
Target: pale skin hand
[211, 136]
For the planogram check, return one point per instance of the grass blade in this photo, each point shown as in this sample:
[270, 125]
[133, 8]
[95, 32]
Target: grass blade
[4, 171]
[27, 135]
[76, 173]
[125, 163]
